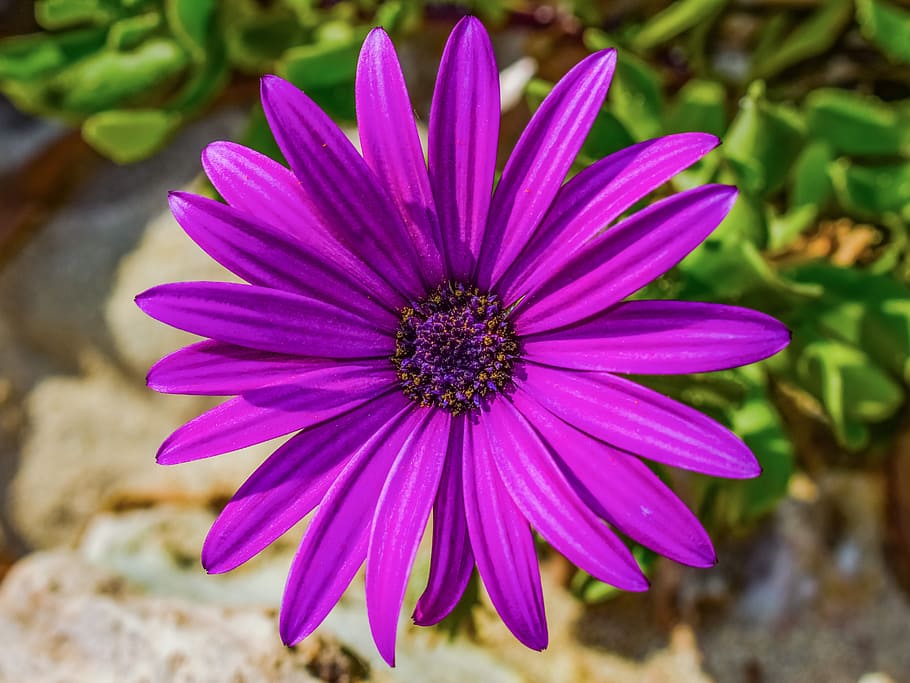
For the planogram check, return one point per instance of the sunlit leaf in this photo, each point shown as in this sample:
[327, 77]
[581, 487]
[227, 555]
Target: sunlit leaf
[699, 106]
[126, 34]
[811, 37]
[856, 124]
[763, 140]
[872, 190]
[886, 26]
[190, 22]
[109, 78]
[678, 17]
[126, 136]
[30, 57]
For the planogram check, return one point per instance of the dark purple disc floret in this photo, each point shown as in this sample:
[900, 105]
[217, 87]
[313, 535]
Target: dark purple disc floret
[455, 348]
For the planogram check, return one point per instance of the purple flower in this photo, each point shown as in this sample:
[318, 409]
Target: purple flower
[442, 347]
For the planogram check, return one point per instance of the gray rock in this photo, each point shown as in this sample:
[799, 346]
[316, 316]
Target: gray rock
[62, 620]
[90, 445]
[163, 254]
[53, 294]
[150, 548]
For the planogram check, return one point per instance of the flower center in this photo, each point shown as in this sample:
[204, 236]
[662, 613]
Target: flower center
[455, 347]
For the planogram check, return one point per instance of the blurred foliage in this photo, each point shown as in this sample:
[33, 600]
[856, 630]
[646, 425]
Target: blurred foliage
[812, 105]
[811, 99]
[131, 72]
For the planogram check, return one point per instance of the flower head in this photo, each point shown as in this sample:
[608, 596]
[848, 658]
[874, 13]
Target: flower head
[441, 347]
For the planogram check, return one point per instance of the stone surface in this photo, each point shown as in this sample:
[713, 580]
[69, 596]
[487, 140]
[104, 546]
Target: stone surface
[90, 445]
[62, 621]
[53, 294]
[156, 550]
[163, 254]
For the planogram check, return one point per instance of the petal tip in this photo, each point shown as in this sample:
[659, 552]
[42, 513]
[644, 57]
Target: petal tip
[376, 33]
[424, 615]
[213, 152]
[142, 299]
[271, 86]
[212, 563]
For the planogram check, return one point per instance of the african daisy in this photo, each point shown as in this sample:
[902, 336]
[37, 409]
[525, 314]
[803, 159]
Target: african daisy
[438, 346]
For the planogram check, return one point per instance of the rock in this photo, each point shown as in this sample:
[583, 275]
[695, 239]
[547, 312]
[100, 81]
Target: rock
[53, 293]
[157, 550]
[64, 620]
[163, 254]
[90, 445]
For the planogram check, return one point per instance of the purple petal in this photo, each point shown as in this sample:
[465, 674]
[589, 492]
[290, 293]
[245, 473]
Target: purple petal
[549, 502]
[258, 186]
[397, 158]
[596, 197]
[261, 414]
[452, 561]
[264, 256]
[502, 543]
[335, 544]
[290, 483]
[622, 490]
[212, 368]
[625, 258]
[661, 338]
[463, 134]
[341, 191]
[398, 525]
[635, 419]
[266, 319]
[541, 158]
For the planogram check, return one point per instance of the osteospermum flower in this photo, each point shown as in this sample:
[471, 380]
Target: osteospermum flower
[441, 346]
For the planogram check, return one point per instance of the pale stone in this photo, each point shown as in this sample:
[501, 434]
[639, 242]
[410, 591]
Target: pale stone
[62, 621]
[90, 445]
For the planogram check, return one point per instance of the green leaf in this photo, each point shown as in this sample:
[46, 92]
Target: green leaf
[636, 97]
[811, 183]
[747, 221]
[725, 271]
[812, 36]
[678, 17]
[323, 64]
[32, 57]
[57, 14]
[128, 33]
[868, 310]
[206, 81]
[763, 141]
[739, 503]
[397, 16]
[127, 136]
[784, 228]
[857, 124]
[728, 267]
[850, 385]
[256, 42]
[885, 334]
[700, 106]
[107, 79]
[607, 135]
[636, 94]
[872, 190]
[190, 22]
[886, 26]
